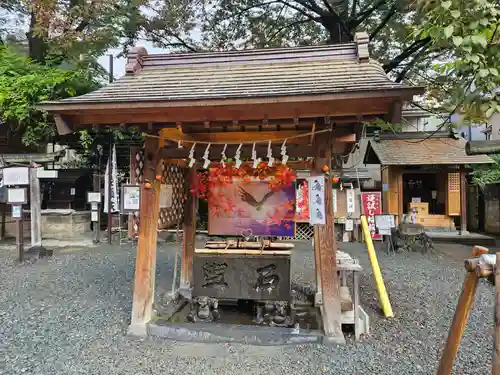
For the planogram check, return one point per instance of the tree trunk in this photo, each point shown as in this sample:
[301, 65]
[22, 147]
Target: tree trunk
[36, 43]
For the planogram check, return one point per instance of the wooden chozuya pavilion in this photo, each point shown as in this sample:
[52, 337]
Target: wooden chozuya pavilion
[239, 96]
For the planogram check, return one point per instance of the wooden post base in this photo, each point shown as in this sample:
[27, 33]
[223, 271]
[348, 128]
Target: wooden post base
[138, 330]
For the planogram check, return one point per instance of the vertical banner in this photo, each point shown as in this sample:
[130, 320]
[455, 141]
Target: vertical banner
[351, 201]
[371, 204]
[302, 202]
[317, 212]
[115, 203]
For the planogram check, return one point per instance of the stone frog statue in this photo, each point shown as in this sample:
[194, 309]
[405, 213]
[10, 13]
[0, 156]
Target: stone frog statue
[203, 309]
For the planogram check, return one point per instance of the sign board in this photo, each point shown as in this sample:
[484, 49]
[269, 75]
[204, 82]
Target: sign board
[16, 176]
[385, 222]
[349, 225]
[16, 211]
[416, 200]
[351, 201]
[94, 216]
[131, 198]
[371, 204]
[17, 196]
[166, 192]
[72, 191]
[317, 212]
[94, 206]
[93, 197]
[385, 188]
[42, 173]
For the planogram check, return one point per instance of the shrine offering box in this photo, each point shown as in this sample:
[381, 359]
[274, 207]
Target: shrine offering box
[234, 275]
[421, 207]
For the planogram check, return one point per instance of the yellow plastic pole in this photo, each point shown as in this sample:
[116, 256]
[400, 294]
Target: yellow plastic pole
[382, 293]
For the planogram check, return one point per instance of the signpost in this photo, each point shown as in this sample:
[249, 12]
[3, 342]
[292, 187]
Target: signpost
[14, 177]
[94, 199]
[384, 224]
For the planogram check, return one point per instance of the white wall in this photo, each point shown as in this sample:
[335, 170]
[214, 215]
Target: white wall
[494, 122]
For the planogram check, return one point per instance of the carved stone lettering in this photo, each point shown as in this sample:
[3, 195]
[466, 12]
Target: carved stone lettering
[213, 273]
[267, 279]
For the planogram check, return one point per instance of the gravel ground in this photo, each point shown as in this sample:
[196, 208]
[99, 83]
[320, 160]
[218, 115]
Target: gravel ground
[69, 315]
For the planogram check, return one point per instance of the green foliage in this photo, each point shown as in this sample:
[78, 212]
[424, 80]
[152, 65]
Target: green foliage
[23, 84]
[488, 173]
[384, 125]
[468, 31]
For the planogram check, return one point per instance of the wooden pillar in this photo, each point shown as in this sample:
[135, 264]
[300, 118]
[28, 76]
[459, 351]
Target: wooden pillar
[463, 203]
[188, 238]
[144, 283]
[325, 250]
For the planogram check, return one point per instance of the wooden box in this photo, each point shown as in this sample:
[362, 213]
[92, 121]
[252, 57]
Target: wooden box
[438, 221]
[422, 208]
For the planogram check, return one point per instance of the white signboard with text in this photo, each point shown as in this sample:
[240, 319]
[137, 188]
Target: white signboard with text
[317, 212]
[16, 176]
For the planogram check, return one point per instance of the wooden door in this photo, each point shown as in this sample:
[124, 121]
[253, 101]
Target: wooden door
[453, 194]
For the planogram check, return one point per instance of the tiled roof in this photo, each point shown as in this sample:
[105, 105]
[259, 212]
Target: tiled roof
[432, 151]
[341, 68]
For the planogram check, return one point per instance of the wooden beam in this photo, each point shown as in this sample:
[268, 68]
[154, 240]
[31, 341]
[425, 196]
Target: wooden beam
[144, 282]
[326, 250]
[482, 147]
[188, 238]
[333, 109]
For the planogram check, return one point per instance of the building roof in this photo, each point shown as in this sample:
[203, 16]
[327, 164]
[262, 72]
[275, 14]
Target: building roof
[283, 72]
[415, 148]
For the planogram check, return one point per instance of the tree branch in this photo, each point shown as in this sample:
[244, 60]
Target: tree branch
[402, 74]
[180, 42]
[328, 6]
[353, 9]
[365, 14]
[298, 9]
[414, 47]
[255, 6]
[382, 23]
[286, 27]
